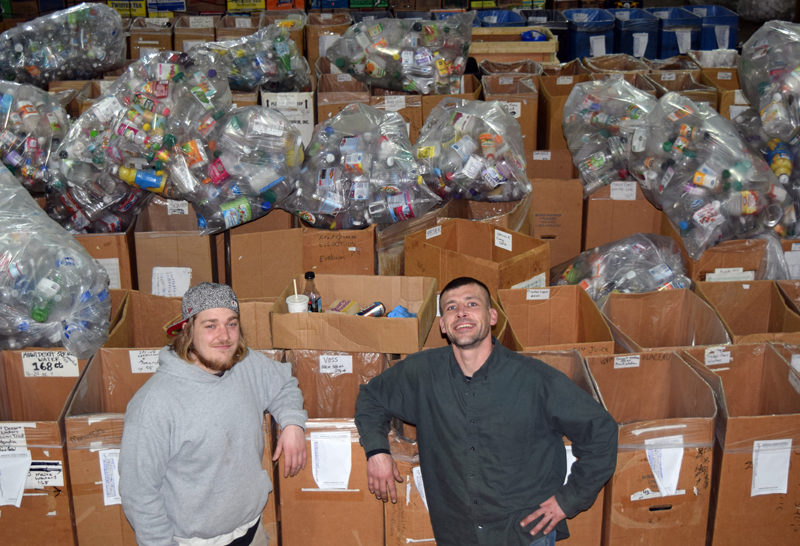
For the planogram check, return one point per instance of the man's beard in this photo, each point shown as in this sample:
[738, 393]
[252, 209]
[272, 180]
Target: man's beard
[215, 365]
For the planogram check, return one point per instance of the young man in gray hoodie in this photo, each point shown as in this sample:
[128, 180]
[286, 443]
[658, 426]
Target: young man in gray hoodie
[190, 462]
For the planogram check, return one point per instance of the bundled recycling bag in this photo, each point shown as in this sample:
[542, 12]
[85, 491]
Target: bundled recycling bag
[52, 293]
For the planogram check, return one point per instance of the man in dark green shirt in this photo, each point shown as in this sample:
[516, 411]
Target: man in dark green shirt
[490, 424]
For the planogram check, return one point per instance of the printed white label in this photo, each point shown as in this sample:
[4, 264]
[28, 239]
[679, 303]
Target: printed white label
[722, 33]
[331, 459]
[435, 231]
[537, 281]
[177, 207]
[49, 364]
[597, 45]
[502, 240]
[243, 22]
[344, 78]
[665, 462]
[623, 190]
[156, 21]
[109, 461]
[170, 281]
[45, 474]
[564, 80]
[542, 155]
[144, 361]
[770, 467]
[730, 274]
[416, 472]
[537, 294]
[335, 364]
[505, 80]
[201, 21]
[111, 265]
[684, 39]
[393, 103]
[715, 356]
[640, 40]
[725, 76]
[668, 77]
[12, 436]
[627, 361]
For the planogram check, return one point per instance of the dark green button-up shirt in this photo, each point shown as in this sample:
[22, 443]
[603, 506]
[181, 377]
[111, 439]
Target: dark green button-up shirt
[491, 446]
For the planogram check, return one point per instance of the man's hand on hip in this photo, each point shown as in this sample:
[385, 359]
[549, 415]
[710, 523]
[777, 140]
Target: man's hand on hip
[550, 512]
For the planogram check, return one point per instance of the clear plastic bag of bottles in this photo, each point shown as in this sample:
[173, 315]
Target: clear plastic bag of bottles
[52, 293]
[359, 170]
[643, 262]
[267, 59]
[78, 43]
[472, 150]
[770, 79]
[32, 124]
[605, 121]
[706, 178]
[416, 55]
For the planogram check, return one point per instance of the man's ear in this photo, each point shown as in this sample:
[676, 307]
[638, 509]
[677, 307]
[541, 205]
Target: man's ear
[492, 316]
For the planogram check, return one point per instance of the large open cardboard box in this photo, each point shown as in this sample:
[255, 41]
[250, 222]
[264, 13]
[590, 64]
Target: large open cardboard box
[340, 510]
[556, 212]
[94, 423]
[752, 311]
[553, 93]
[660, 320]
[666, 414]
[340, 332]
[330, 380]
[457, 248]
[555, 318]
[617, 211]
[407, 521]
[115, 252]
[756, 484]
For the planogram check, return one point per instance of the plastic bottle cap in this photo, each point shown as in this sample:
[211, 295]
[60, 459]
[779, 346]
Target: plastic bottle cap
[310, 275]
[667, 146]
[212, 73]
[340, 62]
[684, 225]
[169, 141]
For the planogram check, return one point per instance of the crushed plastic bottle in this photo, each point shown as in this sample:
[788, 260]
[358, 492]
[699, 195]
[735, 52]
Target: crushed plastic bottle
[359, 170]
[52, 293]
[472, 150]
[77, 43]
[416, 55]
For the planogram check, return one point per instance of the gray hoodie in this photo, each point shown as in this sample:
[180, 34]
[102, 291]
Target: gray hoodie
[190, 461]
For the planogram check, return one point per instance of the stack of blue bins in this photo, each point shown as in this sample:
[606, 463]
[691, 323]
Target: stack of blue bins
[720, 26]
[552, 19]
[587, 25]
[680, 31]
[635, 32]
[499, 18]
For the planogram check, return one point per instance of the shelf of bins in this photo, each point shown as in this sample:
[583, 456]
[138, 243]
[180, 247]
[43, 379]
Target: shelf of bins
[503, 44]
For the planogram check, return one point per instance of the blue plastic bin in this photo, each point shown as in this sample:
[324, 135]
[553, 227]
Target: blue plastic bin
[413, 15]
[368, 15]
[551, 19]
[500, 18]
[679, 31]
[718, 23]
[589, 26]
[635, 32]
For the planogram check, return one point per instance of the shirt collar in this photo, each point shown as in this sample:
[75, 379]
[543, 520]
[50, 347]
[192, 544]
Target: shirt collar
[483, 371]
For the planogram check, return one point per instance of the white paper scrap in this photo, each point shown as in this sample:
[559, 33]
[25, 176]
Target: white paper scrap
[770, 467]
[417, 473]
[109, 461]
[665, 462]
[170, 281]
[570, 461]
[331, 459]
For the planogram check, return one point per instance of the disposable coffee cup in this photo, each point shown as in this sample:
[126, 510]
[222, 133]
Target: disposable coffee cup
[297, 303]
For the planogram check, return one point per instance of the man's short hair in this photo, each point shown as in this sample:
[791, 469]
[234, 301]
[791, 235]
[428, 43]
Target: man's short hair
[458, 282]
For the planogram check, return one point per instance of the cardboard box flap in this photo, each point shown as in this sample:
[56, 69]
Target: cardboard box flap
[341, 89]
[521, 85]
[330, 380]
[669, 318]
[790, 289]
[511, 215]
[571, 364]
[653, 395]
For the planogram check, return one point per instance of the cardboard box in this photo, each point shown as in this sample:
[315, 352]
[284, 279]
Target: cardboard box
[336, 91]
[408, 105]
[752, 311]
[81, 88]
[469, 89]
[297, 107]
[35, 387]
[508, 215]
[116, 253]
[666, 413]
[551, 164]
[732, 100]
[255, 272]
[499, 258]
[390, 240]
[94, 423]
[759, 406]
[232, 27]
[555, 318]
[149, 35]
[727, 261]
[661, 320]
[407, 521]
[790, 289]
[244, 98]
[586, 528]
[322, 29]
[171, 255]
[617, 211]
[339, 332]
[192, 30]
[556, 216]
[330, 380]
[340, 510]
[521, 95]
[553, 93]
[686, 84]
